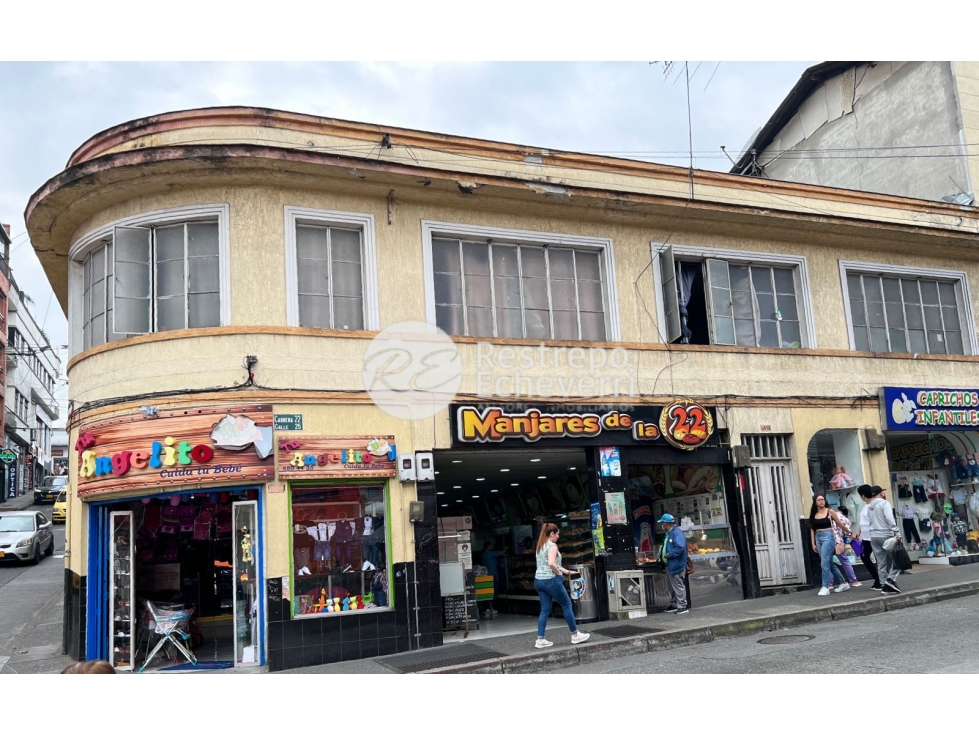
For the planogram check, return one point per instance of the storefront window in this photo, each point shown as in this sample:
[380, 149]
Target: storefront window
[935, 492]
[693, 494]
[835, 468]
[339, 541]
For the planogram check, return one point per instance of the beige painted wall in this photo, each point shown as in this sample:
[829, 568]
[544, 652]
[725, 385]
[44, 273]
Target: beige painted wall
[258, 256]
[325, 362]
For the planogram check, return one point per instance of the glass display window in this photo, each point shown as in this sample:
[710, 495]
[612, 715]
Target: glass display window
[693, 493]
[339, 549]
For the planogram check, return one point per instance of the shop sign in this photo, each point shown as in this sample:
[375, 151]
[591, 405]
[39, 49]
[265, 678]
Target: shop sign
[7, 456]
[11, 481]
[684, 424]
[287, 422]
[929, 409]
[329, 457]
[184, 446]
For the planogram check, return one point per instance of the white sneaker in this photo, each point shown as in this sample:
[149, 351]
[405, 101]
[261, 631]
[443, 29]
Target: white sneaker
[542, 643]
[842, 587]
[579, 637]
[823, 592]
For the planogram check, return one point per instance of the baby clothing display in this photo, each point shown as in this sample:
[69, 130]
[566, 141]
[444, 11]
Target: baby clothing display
[840, 478]
[918, 490]
[908, 519]
[960, 530]
[321, 534]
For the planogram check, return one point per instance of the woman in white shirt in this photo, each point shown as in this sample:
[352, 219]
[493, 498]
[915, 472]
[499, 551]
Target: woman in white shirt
[867, 552]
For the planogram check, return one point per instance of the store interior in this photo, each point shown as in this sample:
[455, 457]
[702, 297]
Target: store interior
[935, 491]
[694, 495]
[339, 548]
[172, 566]
[508, 494]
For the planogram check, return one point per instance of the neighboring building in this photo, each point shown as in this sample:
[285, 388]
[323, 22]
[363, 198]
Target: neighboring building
[31, 405]
[9, 460]
[59, 451]
[908, 128]
[226, 272]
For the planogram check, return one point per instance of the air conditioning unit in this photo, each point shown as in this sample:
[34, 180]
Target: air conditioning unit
[626, 594]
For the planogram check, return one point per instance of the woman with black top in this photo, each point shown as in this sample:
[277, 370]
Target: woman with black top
[821, 519]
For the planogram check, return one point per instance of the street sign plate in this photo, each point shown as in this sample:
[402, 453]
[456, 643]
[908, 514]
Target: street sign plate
[287, 422]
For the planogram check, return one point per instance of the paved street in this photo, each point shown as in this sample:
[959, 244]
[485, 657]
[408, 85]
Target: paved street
[31, 610]
[935, 638]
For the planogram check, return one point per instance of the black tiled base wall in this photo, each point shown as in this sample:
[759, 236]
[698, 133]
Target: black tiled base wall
[73, 625]
[297, 643]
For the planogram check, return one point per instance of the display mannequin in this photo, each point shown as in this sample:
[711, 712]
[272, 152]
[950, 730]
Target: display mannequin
[974, 509]
[320, 533]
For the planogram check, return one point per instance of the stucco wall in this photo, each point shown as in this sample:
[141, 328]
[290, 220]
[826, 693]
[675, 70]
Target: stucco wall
[866, 122]
[258, 286]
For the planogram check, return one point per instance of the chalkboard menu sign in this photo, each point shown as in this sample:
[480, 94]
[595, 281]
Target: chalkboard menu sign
[273, 587]
[456, 608]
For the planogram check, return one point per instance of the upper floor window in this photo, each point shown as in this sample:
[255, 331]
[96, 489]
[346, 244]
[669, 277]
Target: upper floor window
[500, 283]
[734, 298]
[159, 271]
[330, 269]
[905, 310]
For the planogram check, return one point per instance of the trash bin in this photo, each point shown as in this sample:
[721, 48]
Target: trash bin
[585, 607]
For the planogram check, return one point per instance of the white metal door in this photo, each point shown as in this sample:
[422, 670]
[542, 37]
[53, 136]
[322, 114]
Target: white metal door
[778, 547]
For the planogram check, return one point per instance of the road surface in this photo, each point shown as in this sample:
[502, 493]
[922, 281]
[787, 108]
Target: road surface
[934, 638]
[31, 612]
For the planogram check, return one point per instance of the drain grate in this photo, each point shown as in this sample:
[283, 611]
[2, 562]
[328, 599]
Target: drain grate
[458, 653]
[785, 639]
[625, 630]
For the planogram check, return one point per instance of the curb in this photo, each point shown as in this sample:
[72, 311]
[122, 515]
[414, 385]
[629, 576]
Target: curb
[641, 644]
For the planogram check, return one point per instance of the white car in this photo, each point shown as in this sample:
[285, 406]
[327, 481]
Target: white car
[24, 536]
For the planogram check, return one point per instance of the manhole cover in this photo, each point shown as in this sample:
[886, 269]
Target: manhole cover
[625, 630]
[785, 639]
[458, 653]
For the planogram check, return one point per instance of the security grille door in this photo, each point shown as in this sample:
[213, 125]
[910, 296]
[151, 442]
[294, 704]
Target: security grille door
[778, 547]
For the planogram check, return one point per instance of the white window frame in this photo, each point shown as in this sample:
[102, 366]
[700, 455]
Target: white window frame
[807, 324]
[294, 216]
[602, 245]
[91, 240]
[959, 277]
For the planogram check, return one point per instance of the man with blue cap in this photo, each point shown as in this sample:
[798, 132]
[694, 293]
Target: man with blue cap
[674, 555]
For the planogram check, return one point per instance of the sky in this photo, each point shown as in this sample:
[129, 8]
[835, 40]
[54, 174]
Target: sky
[632, 109]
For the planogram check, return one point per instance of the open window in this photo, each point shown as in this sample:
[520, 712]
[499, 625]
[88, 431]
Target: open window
[162, 271]
[737, 301]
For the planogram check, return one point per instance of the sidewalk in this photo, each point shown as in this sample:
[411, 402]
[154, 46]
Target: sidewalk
[924, 585]
[23, 502]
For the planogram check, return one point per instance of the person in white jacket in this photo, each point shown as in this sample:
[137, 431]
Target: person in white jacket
[883, 527]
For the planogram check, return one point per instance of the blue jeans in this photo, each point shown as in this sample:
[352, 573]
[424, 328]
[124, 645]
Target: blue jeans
[552, 590]
[826, 544]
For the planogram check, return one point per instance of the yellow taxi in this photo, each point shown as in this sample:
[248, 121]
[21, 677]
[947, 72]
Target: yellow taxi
[60, 510]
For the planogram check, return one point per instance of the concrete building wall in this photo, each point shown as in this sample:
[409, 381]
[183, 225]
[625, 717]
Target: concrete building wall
[889, 127]
[318, 372]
